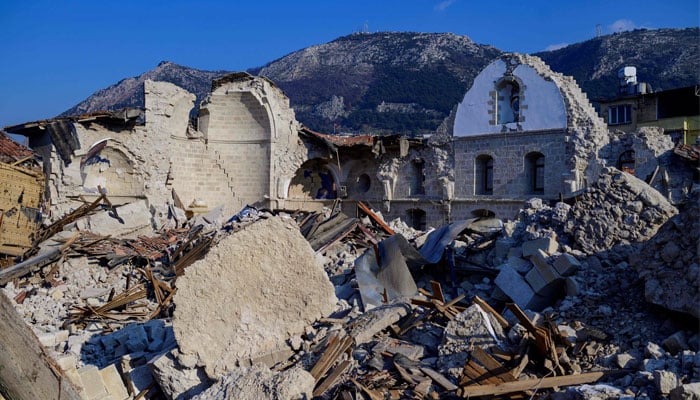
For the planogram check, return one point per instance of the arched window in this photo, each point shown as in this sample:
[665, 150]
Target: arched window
[535, 172]
[416, 218]
[483, 182]
[508, 104]
[626, 162]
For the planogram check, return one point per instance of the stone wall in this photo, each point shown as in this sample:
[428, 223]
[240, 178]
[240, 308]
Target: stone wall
[511, 168]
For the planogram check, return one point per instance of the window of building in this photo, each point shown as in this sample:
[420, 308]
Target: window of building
[417, 177]
[621, 114]
[363, 183]
[416, 219]
[626, 162]
[535, 172]
[484, 175]
[508, 104]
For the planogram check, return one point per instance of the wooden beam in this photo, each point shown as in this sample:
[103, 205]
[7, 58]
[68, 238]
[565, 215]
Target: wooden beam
[528, 384]
[375, 218]
[486, 307]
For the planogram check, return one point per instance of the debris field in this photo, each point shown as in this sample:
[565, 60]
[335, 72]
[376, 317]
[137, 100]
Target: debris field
[595, 297]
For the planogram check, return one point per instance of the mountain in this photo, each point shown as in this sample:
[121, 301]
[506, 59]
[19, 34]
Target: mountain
[129, 92]
[665, 58]
[403, 82]
[381, 82]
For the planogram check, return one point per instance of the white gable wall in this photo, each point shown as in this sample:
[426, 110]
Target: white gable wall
[541, 103]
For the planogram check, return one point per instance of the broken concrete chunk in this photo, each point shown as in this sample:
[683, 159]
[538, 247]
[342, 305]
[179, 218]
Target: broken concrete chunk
[547, 244]
[471, 328]
[675, 343]
[175, 380]
[689, 391]
[517, 288]
[140, 378]
[259, 383]
[665, 381]
[394, 346]
[365, 326]
[130, 221]
[91, 382]
[567, 265]
[241, 302]
[113, 383]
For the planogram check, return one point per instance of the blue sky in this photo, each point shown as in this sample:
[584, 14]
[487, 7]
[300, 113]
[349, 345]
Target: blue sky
[57, 53]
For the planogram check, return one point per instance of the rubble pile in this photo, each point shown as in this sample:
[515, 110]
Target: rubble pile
[273, 306]
[670, 261]
[617, 209]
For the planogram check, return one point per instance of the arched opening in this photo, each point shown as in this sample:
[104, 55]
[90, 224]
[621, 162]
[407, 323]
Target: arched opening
[417, 177]
[313, 180]
[415, 218]
[110, 170]
[362, 183]
[534, 163]
[483, 175]
[508, 104]
[626, 162]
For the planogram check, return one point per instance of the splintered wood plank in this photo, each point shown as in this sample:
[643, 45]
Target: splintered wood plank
[476, 373]
[335, 348]
[487, 361]
[529, 384]
[486, 307]
[331, 379]
[373, 394]
[437, 291]
[439, 379]
[375, 218]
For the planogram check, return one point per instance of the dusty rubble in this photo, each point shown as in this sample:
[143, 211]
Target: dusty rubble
[269, 305]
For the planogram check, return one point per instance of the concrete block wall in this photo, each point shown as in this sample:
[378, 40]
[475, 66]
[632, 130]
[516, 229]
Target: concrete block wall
[510, 168]
[196, 175]
[236, 116]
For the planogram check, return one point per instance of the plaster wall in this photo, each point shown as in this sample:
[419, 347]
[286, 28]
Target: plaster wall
[541, 103]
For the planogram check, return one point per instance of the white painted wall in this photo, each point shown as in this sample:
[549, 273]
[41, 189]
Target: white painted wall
[541, 103]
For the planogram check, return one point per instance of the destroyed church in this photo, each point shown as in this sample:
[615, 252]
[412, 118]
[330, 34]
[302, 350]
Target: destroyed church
[522, 250]
[521, 131]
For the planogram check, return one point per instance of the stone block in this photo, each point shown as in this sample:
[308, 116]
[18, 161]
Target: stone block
[572, 286]
[140, 378]
[547, 244]
[567, 265]
[91, 382]
[520, 265]
[675, 343]
[66, 361]
[689, 391]
[665, 381]
[539, 260]
[517, 288]
[113, 382]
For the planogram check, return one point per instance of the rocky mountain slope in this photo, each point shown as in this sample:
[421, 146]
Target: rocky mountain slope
[402, 82]
[380, 82]
[665, 58]
[129, 92]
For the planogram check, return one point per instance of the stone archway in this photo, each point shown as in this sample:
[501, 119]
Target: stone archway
[315, 179]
